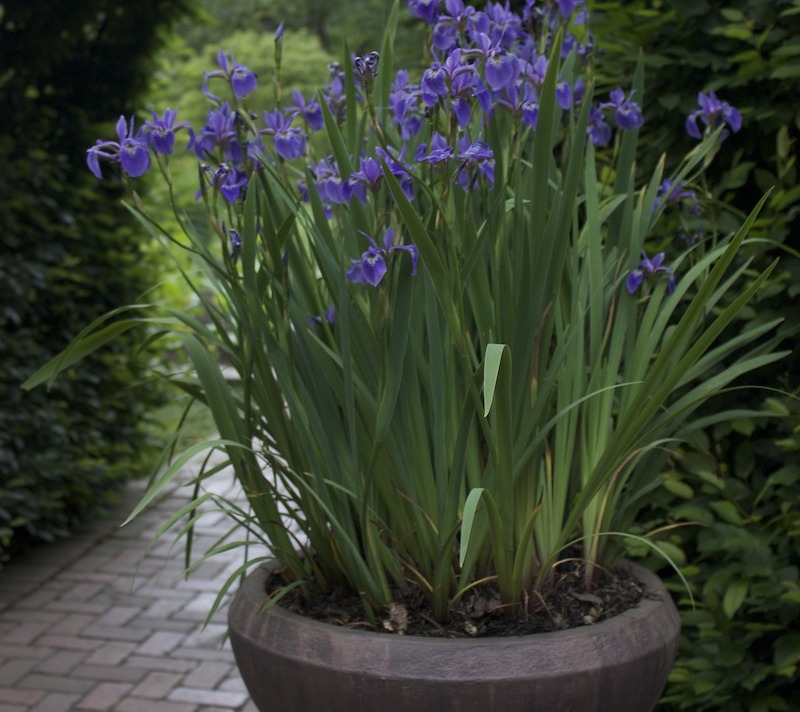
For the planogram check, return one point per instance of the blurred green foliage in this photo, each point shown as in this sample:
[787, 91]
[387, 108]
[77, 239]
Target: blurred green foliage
[360, 22]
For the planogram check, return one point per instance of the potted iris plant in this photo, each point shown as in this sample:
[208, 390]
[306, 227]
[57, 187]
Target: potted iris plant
[461, 351]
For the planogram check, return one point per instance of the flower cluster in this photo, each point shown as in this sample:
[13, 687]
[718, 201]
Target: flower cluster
[483, 62]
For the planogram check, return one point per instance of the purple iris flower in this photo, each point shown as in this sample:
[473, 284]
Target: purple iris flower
[474, 155]
[521, 99]
[371, 266]
[713, 113]
[404, 103]
[650, 269]
[536, 71]
[279, 32]
[219, 131]
[369, 176]
[671, 192]
[131, 151]
[599, 131]
[329, 315]
[433, 84]
[161, 131]
[310, 110]
[427, 10]
[455, 79]
[502, 68]
[504, 25]
[399, 170]
[626, 111]
[228, 181]
[563, 94]
[440, 152]
[567, 7]
[290, 142]
[450, 23]
[242, 80]
[331, 187]
[334, 93]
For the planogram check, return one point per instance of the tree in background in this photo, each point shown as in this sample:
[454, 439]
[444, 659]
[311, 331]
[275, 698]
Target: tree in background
[67, 257]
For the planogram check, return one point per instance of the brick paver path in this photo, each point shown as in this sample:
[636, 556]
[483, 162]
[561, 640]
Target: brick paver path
[91, 624]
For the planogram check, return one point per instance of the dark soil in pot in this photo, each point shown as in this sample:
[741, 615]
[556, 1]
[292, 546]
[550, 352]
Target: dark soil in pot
[567, 603]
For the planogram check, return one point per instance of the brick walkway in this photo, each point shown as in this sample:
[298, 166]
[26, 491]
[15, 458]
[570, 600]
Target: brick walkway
[91, 624]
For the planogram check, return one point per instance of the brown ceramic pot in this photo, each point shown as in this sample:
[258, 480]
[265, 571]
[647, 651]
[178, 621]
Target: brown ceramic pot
[292, 664]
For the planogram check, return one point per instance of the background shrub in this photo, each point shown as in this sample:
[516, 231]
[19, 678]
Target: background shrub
[732, 493]
[69, 253]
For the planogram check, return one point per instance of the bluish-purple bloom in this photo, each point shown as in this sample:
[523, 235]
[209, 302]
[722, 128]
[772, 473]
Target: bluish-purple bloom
[372, 265]
[650, 269]
[599, 131]
[310, 110]
[713, 113]
[476, 159]
[334, 92]
[563, 94]
[450, 23]
[290, 141]
[131, 151]
[219, 131]
[502, 68]
[427, 10]
[368, 177]
[241, 79]
[329, 316]
[332, 189]
[456, 80]
[433, 84]
[627, 113]
[160, 131]
[229, 182]
[440, 152]
[505, 25]
[404, 100]
[567, 7]
[671, 192]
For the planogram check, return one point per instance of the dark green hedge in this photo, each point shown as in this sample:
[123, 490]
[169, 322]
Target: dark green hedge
[732, 493]
[68, 253]
[748, 52]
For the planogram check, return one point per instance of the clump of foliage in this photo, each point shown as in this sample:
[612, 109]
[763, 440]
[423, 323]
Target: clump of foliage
[394, 412]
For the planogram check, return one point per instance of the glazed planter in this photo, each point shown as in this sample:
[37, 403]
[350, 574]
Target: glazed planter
[293, 664]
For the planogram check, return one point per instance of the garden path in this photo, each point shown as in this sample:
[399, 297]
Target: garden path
[97, 622]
